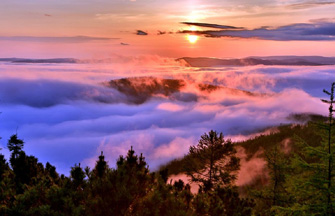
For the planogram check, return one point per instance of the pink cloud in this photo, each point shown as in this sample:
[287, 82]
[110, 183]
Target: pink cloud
[177, 147]
[250, 168]
[170, 107]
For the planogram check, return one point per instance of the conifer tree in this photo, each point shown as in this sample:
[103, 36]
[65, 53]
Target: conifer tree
[274, 194]
[312, 182]
[25, 167]
[15, 145]
[101, 166]
[212, 161]
[3, 166]
[77, 175]
[330, 151]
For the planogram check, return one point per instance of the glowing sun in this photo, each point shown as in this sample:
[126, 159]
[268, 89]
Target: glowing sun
[192, 38]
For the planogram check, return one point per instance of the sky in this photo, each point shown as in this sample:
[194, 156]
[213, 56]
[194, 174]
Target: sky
[66, 114]
[100, 28]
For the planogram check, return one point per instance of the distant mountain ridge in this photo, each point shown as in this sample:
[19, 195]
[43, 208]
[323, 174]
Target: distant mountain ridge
[40, 61]
[269, 60]
[203, 61]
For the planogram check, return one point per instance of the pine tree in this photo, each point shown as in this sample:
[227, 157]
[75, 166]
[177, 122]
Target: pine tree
[312, 182]
[330, 209]
[25, 167]
[116, 191]
[101, 166]
[212, 161]
[15, 145]
[274, 194]
[78, 176]
[3, 166]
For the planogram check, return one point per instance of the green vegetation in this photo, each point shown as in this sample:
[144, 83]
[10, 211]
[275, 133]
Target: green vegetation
[29, 188]
[264, 143]
[212, 162]
[141, 89]
[299, 173]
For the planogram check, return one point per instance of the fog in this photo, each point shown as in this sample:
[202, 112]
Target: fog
[66, 115]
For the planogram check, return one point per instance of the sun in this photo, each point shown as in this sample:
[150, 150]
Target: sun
[192, 38]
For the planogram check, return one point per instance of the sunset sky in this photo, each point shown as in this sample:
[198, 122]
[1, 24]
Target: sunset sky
[100, 28]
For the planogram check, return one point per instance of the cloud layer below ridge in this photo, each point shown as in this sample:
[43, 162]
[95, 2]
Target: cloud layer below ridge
[67, 115]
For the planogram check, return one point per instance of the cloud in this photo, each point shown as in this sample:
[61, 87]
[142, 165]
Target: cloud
[164, 32]
[175, 148]
[118, 15]
[170, 107]
[209, 25]
[186, 179]
[140, 32]
[323, 31]
[66, 116]
[70, 39]
[250, 168]
[46, 93]
[161, 32]
[309, 4]
[322, 20]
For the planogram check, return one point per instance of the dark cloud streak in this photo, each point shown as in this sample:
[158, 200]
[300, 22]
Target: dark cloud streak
[209, 25]
[140, 32]
[295, 32]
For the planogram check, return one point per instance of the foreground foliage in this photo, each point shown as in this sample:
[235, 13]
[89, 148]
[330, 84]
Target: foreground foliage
[29, 188]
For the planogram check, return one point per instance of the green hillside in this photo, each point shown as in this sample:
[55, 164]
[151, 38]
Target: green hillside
[305, 130]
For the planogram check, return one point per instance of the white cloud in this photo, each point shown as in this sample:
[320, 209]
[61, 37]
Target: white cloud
[74, 127]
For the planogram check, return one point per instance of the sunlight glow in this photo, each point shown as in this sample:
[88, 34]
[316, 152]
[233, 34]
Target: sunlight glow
[192, 38]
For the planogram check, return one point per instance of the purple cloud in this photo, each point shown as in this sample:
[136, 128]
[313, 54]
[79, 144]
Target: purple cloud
[209, 25]
[295, 32]
[140, 32]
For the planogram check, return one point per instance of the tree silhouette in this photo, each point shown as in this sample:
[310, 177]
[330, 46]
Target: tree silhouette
[101, 166]
[15, 145]
[330, 159]
[3, 166]
[212, 161]
[77, 175]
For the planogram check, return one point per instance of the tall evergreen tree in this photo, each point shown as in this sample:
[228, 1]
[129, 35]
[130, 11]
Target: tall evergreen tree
[312, 182]
[101, 166]
[15, 145]
[3, 166]
[275, 193]
[330, 151]
[116, 191]
[25, 167]
[212, 161]
[77, 175]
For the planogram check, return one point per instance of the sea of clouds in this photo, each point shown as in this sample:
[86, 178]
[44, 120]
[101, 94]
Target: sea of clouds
[66, 115]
